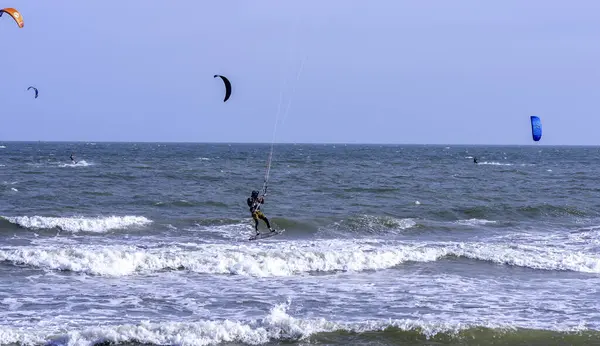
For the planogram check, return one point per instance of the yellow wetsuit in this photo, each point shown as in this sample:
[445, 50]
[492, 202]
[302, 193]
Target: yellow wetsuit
[256, 213]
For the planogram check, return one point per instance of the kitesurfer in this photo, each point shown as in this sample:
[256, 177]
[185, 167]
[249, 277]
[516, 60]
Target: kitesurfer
[72, 159]
[254, 203]
[474, 160]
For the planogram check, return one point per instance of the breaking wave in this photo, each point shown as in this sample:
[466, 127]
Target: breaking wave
[78, 224]
[279, 326]
[287, 259]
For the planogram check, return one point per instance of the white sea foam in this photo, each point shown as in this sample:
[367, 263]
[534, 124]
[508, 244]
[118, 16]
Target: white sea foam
[494, 163]
[79, 224]
[81, 163]
[277, 325]
[474, 222]
[287, 259]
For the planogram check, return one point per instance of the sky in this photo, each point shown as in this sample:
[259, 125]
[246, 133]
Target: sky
[335, 71]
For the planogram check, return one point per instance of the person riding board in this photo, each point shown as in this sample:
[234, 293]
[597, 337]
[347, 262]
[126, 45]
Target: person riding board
[254, 202]
[72, 159]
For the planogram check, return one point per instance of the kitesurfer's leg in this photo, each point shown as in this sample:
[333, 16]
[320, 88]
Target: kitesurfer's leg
[255, 218]
[264, 218]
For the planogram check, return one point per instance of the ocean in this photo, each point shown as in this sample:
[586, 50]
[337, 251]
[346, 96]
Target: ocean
[147, 244]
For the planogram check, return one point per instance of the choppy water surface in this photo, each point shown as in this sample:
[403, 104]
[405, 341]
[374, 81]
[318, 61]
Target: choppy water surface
[148, 244]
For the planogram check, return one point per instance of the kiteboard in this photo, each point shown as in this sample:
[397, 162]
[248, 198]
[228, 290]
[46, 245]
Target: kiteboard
[266, 234]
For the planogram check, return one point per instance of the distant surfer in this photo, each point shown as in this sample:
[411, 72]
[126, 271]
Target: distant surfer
[254, 202]
[474, 160]
[72, 159]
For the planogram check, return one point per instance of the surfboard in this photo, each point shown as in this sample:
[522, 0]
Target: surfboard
[266, 234]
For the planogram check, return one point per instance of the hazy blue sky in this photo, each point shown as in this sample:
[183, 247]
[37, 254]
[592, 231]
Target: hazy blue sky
[380, 71]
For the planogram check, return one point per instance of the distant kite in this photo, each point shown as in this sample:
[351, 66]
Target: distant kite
[35, 89]
[536, 128]
[227, 86]
[14, 14]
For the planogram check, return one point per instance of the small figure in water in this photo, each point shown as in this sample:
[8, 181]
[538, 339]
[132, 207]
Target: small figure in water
[72, 159]
[254, 203]
[474, 160]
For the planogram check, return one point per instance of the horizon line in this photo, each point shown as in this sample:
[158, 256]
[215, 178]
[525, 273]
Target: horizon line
[305, 143]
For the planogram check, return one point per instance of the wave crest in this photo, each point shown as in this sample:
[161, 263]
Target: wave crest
[283, 259]
[78, 224]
